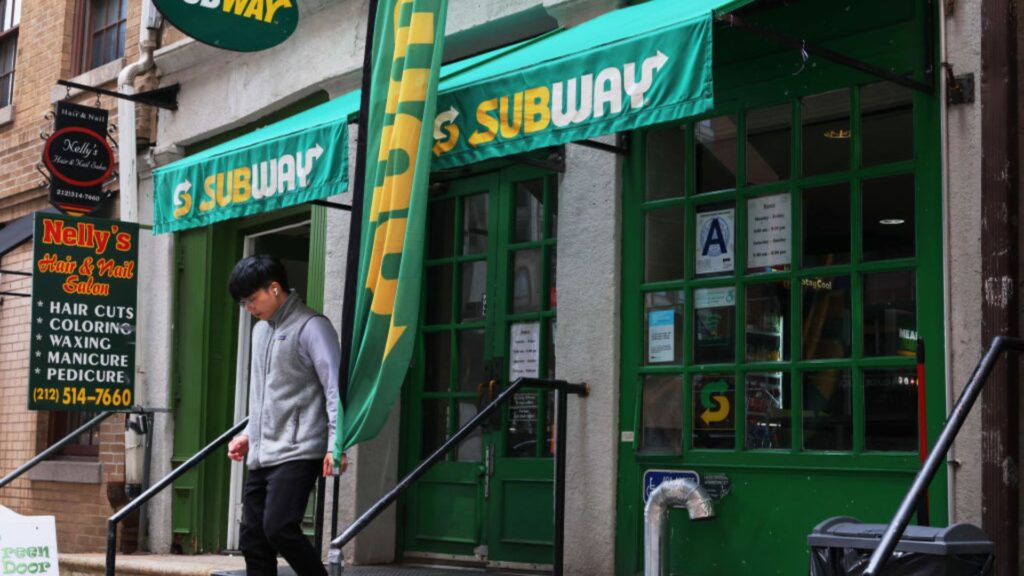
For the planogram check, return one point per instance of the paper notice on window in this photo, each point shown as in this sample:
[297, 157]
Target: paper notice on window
[768, 231]
[661, 336]
[715, 233]
[524, 339]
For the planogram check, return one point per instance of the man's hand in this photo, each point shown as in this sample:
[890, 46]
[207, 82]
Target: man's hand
[238, 448]
[329, 465]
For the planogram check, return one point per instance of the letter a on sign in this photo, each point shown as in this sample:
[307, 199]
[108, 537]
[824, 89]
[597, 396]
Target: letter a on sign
[715, 242]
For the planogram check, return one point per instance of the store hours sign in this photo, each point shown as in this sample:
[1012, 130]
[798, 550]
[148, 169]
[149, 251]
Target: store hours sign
[84, 313]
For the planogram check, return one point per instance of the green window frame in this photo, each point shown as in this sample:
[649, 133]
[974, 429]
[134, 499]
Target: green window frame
[685, 296]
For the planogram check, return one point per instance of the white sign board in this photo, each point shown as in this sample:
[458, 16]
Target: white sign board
[28, 544]
[714, 297]
[715, 233]
[768, 231]
[661, 337]
[525, 351]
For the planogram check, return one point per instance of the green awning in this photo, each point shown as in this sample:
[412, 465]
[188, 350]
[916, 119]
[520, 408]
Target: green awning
[301, 158]
[625, 69]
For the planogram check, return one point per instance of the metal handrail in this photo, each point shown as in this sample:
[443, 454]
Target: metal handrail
[56, 447]
[160, 485]
[561, 387]
[957, 416]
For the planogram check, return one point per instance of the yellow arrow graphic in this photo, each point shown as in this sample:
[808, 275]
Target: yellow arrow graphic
[718, 415]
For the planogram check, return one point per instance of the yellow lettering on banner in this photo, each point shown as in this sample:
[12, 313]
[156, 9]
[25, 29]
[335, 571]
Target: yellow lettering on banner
[241, 185]
[484, 118]
[186, 200]
[388, 238]
[255, 9]
[537, 115]
[223, 190]
[511, 129]
[419, 31]
[444, 146]
[236, 6]
[273, 6]
[210, 193]
[414, 84]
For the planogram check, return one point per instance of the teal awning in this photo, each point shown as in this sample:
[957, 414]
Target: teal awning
[301, 158]
[625, 69]
[628, 68]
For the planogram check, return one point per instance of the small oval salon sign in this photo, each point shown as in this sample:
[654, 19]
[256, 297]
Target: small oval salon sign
[240, 25]
[78, 156]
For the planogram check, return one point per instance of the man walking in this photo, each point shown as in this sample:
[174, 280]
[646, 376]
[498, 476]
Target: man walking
[293, 396]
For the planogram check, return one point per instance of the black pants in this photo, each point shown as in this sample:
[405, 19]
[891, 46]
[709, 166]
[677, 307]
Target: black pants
[273, 506]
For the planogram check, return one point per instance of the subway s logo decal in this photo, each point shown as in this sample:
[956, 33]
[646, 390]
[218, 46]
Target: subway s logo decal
[240, 25]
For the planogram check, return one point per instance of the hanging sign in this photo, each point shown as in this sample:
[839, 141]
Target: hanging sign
[28, 544]
[768, 231]
[715, 242]
[84, 293]
[78, 157]
[239, 25]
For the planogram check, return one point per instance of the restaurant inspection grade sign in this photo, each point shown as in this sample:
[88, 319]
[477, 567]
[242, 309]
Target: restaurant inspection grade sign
[84, 296]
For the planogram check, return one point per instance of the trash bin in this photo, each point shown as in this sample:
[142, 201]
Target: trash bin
[842, 546]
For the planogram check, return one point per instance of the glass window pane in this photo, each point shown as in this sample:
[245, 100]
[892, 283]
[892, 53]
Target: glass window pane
[526, 270]
[470, 449]
[552, 278]
[662, 429]
[890, 409]
[768, 322]
[768, 144]
[715, 228]
[888, 221]
[663, 325]
[529, 197]
[438, 352]
[886, 123]
[714, 417]
[827, 326]
[551, 359]
[828, 410]
[826, 132]
[474, 290]
[439, 294]
[716, 154]
[521, 435]
[435, 425]
[826, 224]
[714, 320]
[441, 233]
[769, 405]
[890, 314]
[663, 244]
[666, 162]
[471, 361]
[474, 224]
[769, 233]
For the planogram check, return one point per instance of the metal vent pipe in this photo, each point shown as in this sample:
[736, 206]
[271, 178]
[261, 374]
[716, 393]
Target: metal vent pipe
[666, 496]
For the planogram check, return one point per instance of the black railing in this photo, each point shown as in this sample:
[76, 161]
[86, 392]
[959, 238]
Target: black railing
[562, 389]
[55, 448]
[952, 427]
[160, 485]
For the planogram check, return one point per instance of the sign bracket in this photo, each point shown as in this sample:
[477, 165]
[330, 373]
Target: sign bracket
[165, 97]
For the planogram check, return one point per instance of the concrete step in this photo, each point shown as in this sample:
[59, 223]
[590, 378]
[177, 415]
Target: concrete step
[224, 565]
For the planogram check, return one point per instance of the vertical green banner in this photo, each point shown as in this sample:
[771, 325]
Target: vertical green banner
[408, 37]
[84, 295]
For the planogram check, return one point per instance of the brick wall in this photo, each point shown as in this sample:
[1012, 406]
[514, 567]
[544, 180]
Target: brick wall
[45, 41]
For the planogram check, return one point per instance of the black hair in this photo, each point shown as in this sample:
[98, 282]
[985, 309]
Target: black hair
[255, 272]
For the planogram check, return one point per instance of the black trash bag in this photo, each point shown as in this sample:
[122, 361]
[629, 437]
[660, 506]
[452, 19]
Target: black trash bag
[854, 562]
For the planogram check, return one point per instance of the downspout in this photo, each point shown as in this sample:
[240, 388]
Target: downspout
[669, 495]
[127, 157]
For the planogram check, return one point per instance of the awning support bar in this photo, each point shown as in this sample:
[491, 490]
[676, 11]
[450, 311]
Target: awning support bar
[622, 149]
[334, 205]
[165, 97]
[837, 57]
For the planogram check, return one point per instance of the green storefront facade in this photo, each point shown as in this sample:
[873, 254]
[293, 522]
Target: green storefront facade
[780, 256]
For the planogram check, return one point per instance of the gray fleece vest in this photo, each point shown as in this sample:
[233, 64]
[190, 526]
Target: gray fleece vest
[287, 414]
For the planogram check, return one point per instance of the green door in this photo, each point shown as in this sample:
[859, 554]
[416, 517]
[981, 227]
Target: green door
[488, 317]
